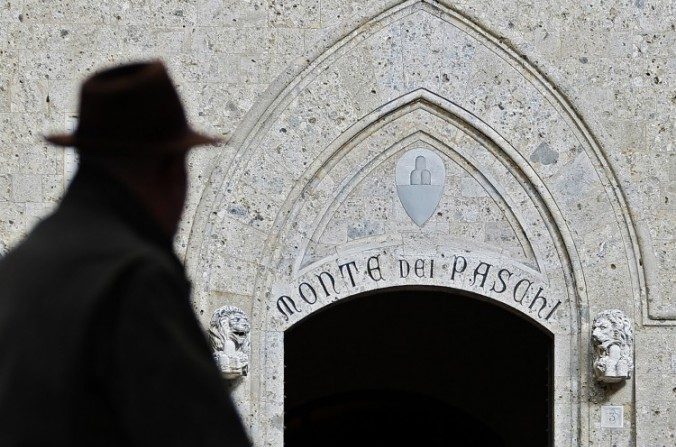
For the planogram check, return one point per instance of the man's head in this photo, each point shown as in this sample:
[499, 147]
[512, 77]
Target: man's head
[158, 181]
[132, 124]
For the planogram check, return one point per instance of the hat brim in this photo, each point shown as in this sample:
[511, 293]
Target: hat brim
[184, 142]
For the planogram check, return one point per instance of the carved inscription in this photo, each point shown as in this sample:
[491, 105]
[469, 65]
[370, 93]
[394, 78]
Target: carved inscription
[342, 279]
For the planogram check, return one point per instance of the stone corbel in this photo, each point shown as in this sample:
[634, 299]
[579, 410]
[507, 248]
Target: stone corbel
[229, 336]
[613, 339]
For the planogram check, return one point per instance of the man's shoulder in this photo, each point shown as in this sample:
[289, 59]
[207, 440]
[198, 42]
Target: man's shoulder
[68, 246]
[65, 278]
[71, 230]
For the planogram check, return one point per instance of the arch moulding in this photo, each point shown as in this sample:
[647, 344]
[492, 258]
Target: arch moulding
[306, 211]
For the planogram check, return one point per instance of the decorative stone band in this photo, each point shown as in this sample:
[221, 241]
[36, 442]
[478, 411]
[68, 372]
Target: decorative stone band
[229, 336]
[524, 290]
[612, 338]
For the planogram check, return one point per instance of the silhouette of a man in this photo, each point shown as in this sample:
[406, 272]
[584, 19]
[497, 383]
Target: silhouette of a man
[99, 345]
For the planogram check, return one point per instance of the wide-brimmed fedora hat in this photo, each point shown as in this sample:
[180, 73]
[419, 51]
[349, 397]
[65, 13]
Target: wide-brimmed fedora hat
[132, 108]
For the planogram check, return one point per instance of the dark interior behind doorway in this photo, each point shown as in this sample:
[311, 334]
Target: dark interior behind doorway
[417, 367]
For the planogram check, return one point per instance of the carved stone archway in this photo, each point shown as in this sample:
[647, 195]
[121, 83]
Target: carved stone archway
[306, 211]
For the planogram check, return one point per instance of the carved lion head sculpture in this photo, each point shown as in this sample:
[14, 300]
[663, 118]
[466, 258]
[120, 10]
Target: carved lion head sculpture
[612, 338]
[229, 335]
[229, 323]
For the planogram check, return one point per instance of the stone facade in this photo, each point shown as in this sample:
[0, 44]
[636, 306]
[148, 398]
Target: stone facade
[554, 122]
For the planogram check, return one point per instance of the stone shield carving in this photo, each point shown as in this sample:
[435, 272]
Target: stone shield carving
[420, 176]
[229, 336]
[613, 339]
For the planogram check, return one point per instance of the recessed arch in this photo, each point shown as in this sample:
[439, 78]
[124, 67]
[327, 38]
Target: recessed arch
[295, 203]
[431, 103]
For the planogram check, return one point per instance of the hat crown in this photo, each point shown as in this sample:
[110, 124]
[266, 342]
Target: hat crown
[131, 108]
[135, 102]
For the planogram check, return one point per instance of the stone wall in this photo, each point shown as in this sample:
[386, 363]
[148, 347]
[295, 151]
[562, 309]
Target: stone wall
[612, 62]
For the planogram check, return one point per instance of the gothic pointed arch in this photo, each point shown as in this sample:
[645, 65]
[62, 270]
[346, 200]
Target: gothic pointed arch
[310, 188]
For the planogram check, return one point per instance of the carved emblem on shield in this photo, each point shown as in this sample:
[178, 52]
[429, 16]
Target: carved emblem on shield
[420, 176]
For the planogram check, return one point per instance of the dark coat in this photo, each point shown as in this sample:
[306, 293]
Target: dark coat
[99, 345]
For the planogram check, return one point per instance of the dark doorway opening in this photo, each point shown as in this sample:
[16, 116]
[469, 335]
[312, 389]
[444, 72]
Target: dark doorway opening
[417, 367]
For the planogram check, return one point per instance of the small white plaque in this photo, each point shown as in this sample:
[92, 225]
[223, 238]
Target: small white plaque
[419, 176]
[612, 416]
